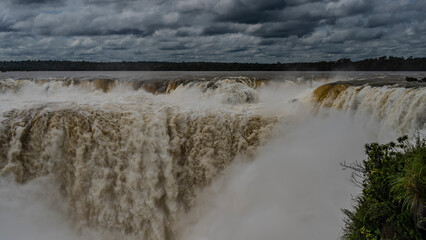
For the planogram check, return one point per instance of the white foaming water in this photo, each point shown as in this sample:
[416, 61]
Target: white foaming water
[394, 111]
[228, 158]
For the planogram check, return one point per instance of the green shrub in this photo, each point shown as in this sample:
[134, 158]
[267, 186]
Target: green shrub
[393, 182]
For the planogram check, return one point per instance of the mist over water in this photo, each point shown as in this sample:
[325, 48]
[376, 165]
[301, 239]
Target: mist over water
[218, 156]
[294, 189]
[34, 210]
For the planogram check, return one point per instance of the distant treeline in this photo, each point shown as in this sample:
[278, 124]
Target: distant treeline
[372, 64]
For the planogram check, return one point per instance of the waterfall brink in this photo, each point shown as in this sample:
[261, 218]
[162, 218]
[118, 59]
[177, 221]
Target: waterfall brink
[153, 86]
[399, 109]
[129, 172]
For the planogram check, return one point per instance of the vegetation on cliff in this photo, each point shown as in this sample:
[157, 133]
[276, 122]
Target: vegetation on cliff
[372, 64]
[392, 202]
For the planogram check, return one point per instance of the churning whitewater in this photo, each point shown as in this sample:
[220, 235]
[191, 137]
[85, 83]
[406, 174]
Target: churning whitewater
[190, 155]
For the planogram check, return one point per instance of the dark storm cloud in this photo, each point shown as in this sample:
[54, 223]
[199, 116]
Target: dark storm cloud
[268, 42]
[174, 47]
[36, 1]
[211, 30]
[285, 29]
[5, 25]
[242, 49]
[218, 29]
[248, 11]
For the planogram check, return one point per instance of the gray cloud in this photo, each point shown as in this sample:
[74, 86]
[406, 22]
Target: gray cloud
[38, 1]
[211, 30]
[248, 11]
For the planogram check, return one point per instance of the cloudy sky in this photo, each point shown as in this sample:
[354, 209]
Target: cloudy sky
[211, 30]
